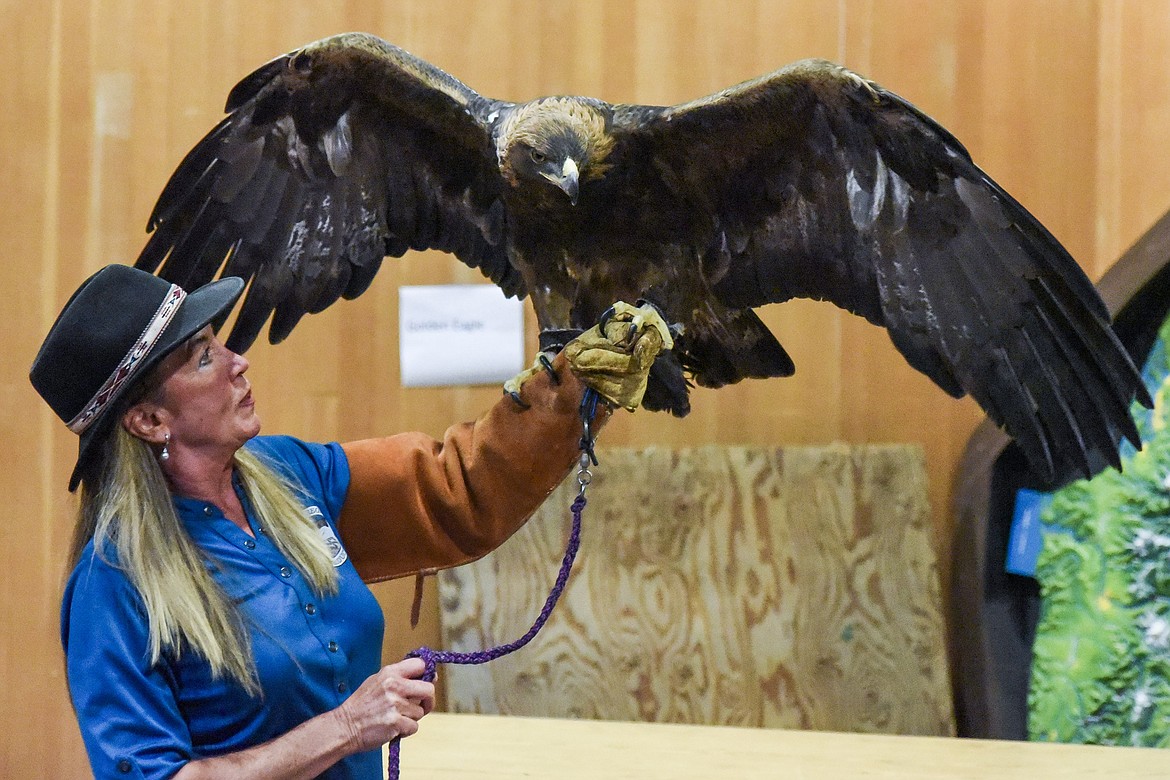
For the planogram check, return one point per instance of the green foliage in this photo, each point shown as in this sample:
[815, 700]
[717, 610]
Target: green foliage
[1101, 661]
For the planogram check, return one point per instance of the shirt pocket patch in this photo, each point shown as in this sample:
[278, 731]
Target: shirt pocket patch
[336, 551]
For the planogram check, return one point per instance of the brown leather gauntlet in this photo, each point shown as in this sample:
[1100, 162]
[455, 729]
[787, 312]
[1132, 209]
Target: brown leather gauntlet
[418, 505]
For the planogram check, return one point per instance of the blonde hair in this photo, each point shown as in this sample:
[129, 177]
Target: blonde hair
[129, 510]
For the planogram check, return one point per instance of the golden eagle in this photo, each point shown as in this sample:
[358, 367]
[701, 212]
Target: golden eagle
[809, 182]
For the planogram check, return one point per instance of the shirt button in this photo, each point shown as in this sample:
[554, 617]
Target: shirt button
[341, 687]
[332, 647]
[124, 766]
[208, 511]
[285, 572]
[251, 545]
[311, 609]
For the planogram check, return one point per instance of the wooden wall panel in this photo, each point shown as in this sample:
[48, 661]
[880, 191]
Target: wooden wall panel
[30, 671]
[1063, 101]
[1133, 112]
[791, 587]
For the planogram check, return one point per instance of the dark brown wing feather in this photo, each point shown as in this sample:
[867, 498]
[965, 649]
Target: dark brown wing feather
[821, 185]
[331, 158]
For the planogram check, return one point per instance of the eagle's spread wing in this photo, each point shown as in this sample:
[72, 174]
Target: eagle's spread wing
[331, 158]
[819, 184]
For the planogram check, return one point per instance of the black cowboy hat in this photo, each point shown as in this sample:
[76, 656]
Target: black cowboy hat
[118, 325]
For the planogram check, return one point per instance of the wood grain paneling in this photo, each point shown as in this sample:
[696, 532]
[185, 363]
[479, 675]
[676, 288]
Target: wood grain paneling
[793, 587]
[1063, 101]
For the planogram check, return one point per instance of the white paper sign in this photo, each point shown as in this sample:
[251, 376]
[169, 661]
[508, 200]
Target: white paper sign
[459, 334]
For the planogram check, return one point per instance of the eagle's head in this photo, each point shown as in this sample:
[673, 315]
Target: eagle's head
[560, 141]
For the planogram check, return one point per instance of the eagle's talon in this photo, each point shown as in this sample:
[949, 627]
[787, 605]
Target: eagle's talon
[606, 316]
[548, 367]
[513, 386]
[515, 396]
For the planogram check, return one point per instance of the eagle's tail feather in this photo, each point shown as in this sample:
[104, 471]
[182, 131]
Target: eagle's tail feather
[735, 346]
[667, 388]
[721, 352]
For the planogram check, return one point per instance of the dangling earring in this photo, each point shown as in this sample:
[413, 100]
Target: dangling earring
[165, 454]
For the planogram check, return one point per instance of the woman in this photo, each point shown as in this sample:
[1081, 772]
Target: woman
[216, 623]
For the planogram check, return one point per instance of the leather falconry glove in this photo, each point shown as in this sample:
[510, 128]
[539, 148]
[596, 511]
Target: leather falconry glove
[614, 356]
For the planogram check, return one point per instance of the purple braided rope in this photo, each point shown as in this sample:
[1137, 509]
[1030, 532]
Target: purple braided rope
[432, 657]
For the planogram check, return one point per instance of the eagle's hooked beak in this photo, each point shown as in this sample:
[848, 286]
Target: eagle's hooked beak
[568, 181]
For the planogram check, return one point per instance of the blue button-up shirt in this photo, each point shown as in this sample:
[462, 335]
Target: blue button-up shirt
[311, 652]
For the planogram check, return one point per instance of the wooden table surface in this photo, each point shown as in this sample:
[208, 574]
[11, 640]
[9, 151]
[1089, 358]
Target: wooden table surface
[491, 746]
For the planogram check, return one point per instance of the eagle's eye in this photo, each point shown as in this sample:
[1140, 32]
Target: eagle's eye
[538, 156]
[301, 63]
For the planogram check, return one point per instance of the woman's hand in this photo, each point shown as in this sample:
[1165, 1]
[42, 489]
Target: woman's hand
[387, 705]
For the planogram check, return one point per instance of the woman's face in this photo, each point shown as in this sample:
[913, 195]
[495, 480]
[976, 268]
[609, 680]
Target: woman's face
[206, 402]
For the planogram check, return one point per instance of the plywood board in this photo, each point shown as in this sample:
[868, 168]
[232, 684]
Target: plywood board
[791, 587]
